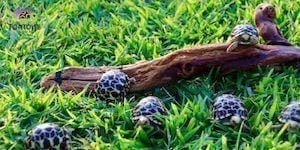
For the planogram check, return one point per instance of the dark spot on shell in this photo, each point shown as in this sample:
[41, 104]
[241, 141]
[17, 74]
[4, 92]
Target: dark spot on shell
[114, 94]
[48, 129]
[110, 77]
[42, 136]
[156, 103]
[235, 107]
[60, 134]
[119, 87]
[52, 133]
[226, 107]
[37, 131]
[240, 112]
[146, 113]
[46, 144]
[217, 106]
[159, 109]
[106, 84]
[152, 110]
[102, 91]
[294, 118]
[56, 140]
[243, 113]
[219, 113]
[292, 113]
[148, 106]
[122, 80]
[57, 129]
[36, 138]
[223, 113]
[298, 112]
[47, 135]
[233, 111]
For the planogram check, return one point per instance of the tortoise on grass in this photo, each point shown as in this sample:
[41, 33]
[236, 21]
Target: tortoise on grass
[290, 115]
[47, 136]
[229, 110]
[113, 85]
[146, 111]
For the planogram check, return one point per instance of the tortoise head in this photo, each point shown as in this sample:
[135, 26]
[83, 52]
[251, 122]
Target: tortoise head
[143, 121]
[235, 119]
[264, 11]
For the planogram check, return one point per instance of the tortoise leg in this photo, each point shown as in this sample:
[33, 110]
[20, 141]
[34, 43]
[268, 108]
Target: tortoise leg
[276, 126]
[286, 126]
[244, 126]
[232, 46]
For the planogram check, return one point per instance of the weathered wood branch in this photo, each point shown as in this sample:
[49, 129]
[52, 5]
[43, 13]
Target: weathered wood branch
[180, 64]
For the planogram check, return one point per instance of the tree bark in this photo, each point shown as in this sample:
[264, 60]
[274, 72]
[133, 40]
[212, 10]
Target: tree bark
[181, 64]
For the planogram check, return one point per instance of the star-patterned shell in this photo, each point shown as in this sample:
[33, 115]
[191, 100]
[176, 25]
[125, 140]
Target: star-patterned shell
[47, 136]
[229, 109]
[291, 114]
[246, 33]
[113, 85]
[147, 110]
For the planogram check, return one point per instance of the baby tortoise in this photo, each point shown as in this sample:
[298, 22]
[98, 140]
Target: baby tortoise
[244, 34]
[229, 110]
[146, 111]
[47, 136]
[290, 115]
[113, 85]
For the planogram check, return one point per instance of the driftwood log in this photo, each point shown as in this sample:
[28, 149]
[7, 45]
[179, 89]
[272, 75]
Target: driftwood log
[181, 64]
[190, 62]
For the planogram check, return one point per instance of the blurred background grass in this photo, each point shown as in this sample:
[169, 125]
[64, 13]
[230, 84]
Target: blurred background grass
[97, 32]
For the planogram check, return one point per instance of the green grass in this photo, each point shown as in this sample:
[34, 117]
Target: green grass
[97, 32]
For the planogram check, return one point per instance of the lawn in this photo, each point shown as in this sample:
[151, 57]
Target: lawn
[96, 32]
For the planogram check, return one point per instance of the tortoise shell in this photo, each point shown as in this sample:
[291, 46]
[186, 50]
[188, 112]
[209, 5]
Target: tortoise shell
[291, 115]
[113, 85]
[244, 34]
[146, 111]
[47, 136]
[229, 109]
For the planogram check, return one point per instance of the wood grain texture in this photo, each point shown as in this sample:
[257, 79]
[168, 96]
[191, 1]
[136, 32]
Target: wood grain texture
[181, 64]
